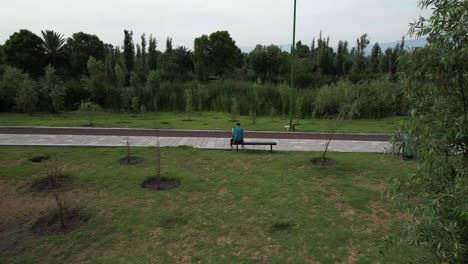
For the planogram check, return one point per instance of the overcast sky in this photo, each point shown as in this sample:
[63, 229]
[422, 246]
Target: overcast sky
[250, 22]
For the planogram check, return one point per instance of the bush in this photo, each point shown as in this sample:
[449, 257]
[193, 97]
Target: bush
[12, 80]
[374, 99]
[90, 109]
[26, 98]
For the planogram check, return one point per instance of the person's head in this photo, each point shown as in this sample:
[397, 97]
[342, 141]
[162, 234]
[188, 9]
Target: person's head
[238, 124]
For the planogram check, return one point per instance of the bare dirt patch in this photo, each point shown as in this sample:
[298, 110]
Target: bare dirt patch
[50, 224]
[46, 184]
[353, 257]
[17, 207]
[163, 184]
[39, 158]
[375, 186]
[131, 160]
[329, 162]
[335, 196]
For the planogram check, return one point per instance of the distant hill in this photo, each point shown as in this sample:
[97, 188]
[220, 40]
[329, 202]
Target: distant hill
[409, 44]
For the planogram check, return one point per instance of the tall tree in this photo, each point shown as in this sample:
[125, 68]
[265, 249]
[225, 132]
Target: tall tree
[129, 52]
[152, 53]
[183, 60]
[98, 83]
[375, 59]
[144, 59]
[302, 51]
[80, 47]
[53, 44]
[202, 57]
[266, 61]
[52, 90]
[343, 62]
[361, 65]
[169, 45]
[23, 50]
[219, 49]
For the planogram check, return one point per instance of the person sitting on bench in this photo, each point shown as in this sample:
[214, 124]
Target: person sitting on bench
[237, 135]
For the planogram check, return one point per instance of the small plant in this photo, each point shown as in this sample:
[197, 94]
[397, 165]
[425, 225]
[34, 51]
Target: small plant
[158, 164]
[128, 159]
[189, 103]
[135, 105]
[61, 208]
[272, 112]
[201, 94]
[234, 109]
[334, 126]
[90, 109]
[54, 173]
[129, 150]
[253, 116]
[298, 109]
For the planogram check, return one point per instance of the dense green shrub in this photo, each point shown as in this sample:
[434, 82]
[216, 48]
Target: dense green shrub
[75, 92]
[26, 98]
[375, 99]
[11, 82]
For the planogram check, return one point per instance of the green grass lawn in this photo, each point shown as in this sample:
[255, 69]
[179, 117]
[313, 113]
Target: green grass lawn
[246, 207]
[200, 121]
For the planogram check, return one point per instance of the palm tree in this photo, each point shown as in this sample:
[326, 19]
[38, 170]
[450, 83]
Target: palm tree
[53, 44]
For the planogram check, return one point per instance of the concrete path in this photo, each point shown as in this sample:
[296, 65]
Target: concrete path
[196, 142]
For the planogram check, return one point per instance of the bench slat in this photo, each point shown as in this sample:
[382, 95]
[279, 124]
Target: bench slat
[257, 143]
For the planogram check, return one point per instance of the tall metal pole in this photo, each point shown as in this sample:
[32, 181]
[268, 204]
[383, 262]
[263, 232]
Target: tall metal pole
[293, 48]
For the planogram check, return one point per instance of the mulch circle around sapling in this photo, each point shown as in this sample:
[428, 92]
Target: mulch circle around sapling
[46, 184]
[131, 161]
[39, 158]
[328, 162]
[151, 184]
[50, 224]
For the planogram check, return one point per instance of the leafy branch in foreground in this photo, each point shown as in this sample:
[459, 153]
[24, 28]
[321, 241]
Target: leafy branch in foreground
[434, 80]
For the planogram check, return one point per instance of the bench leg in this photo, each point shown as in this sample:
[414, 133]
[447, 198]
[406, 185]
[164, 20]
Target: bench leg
[237, 148]
[271, 148]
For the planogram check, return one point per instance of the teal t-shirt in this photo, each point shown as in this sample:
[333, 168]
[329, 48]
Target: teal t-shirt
[238, 134]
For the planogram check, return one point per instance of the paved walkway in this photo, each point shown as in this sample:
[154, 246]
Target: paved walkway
[196, 142]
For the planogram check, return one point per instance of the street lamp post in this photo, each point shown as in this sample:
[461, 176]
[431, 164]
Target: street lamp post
[291, 99]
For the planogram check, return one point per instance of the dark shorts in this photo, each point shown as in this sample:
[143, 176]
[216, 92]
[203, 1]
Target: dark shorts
[236, 142]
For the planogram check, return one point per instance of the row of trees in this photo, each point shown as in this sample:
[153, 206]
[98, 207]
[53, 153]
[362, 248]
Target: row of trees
[214, 56]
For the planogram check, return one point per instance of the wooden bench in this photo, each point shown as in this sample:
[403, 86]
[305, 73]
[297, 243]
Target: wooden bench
[271, 144]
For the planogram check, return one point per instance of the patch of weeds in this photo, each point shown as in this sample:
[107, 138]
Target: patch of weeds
[282, 226]
[39, 158]
[173, 222]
